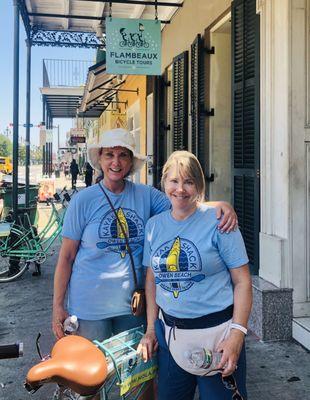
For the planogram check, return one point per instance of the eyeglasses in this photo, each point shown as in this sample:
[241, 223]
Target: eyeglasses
[230, 383]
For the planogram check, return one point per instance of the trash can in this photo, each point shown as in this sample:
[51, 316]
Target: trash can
[6, 195]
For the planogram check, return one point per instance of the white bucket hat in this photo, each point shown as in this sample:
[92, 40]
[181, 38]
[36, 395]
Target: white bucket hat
[113, 138]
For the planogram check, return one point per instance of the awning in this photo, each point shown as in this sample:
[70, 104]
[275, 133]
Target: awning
[99, 89]
[62, 102]
[70, 17]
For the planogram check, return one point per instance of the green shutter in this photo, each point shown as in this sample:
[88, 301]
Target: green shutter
[197, 101]
[245, 123]
[159, 128]
[180, 101]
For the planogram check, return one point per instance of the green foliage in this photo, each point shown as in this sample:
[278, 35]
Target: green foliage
[6, 147]
[21, 154]
[36, 155]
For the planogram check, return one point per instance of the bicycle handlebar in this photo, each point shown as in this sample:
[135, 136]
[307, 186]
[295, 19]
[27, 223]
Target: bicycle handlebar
[11, 350]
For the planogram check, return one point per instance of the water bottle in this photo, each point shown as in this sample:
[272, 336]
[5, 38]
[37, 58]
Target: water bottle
[203, 358]
[71, 325]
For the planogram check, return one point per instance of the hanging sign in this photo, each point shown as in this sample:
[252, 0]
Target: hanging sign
[133, 46]
[42, 137]
[49, 135]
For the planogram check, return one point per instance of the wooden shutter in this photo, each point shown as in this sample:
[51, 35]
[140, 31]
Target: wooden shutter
[245, 123]
[180, 101]
[159, 128]
[197, 101]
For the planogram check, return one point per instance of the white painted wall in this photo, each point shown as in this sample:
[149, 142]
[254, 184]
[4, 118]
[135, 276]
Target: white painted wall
[285, 147]
[188, 21]
[220, 125]
[275, 134]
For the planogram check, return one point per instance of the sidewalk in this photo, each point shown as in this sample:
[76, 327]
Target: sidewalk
[278, 370]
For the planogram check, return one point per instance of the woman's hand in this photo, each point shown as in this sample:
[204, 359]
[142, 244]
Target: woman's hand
[229, 220]
[148, 345]
[59, 315]
[231, 348]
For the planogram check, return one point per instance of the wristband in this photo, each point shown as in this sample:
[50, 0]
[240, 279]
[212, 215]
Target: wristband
[239, 327]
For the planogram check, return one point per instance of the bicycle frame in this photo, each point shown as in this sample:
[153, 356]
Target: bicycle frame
[24, 243]
[38, 242]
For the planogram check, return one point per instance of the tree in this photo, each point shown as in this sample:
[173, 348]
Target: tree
[36, 155]
[6, 147]
[21, 154]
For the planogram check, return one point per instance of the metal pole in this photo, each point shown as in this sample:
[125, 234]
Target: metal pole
[27, 143]
[15, 109]
[43, 145]
[43, 159]
[58, 145]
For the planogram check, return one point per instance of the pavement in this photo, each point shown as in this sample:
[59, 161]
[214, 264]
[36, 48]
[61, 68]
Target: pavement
[275, 370]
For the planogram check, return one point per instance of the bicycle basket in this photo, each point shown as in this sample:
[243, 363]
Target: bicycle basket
[122, 357]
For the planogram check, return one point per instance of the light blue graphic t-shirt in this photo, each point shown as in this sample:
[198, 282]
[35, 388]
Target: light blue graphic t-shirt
[191, 261]
[102, 280]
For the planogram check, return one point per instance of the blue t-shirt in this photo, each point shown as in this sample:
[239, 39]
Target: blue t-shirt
[101, 282]
[191, 261]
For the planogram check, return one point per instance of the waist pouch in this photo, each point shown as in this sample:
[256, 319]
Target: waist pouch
[181, 337]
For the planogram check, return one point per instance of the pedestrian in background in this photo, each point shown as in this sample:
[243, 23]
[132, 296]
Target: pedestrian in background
[74, 171]
[88, 174]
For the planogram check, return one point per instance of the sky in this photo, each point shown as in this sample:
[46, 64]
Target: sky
[6, 74]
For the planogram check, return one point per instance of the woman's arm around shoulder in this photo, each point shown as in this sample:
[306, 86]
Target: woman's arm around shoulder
[227, 214]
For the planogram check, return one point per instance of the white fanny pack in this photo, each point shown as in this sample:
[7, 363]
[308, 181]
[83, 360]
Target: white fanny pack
[183, 341]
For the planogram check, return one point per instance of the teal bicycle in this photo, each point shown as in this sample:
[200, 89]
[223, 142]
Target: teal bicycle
[21, 243]
[111, 369]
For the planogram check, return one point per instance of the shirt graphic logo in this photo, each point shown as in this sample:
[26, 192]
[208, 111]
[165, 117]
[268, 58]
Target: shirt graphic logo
[110, 230]
[175, 265]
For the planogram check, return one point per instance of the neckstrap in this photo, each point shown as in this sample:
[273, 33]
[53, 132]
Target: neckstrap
[125, 236]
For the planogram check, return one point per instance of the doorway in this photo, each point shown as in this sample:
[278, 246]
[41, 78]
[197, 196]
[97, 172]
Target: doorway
[134, 127]
[220, 139]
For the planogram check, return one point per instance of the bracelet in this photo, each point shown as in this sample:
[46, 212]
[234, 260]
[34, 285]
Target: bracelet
[239, 327]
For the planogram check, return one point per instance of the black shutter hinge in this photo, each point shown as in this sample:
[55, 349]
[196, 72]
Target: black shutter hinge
[210, 50]
[167, 83]
[209, 113]
[210, 178]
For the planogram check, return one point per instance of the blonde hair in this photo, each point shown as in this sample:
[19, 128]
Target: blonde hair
[186, 165]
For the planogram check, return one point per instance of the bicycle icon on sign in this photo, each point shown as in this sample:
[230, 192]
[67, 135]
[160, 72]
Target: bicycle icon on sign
[133, 39]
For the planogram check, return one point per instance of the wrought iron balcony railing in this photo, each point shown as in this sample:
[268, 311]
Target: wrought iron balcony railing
[65, 73]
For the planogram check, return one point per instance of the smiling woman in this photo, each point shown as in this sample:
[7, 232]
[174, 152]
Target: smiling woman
[199, 280]
[116, 164]
[183, 183]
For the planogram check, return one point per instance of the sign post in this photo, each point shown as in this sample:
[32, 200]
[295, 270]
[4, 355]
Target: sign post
[133, 46]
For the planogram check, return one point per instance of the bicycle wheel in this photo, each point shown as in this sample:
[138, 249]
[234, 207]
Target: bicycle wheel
[14, 257]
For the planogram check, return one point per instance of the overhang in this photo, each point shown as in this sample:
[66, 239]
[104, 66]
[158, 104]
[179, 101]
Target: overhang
[62, 102]
[100, 87]
[42, 18]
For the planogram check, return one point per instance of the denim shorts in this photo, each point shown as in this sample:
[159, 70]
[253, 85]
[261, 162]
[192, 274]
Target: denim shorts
[175, 383]
[105, 328]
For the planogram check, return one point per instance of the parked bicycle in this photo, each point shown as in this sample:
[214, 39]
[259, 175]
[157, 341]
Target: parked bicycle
[21, 243]
[88, 368]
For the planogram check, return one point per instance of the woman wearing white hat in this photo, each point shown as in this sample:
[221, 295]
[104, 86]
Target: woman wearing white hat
[93, 265]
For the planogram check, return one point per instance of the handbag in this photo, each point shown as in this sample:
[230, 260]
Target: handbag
[138, 300]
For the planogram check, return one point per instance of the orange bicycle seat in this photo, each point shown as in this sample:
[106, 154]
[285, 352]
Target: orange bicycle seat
[75, 363]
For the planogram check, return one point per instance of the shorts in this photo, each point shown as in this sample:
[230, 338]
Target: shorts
[105, 328]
